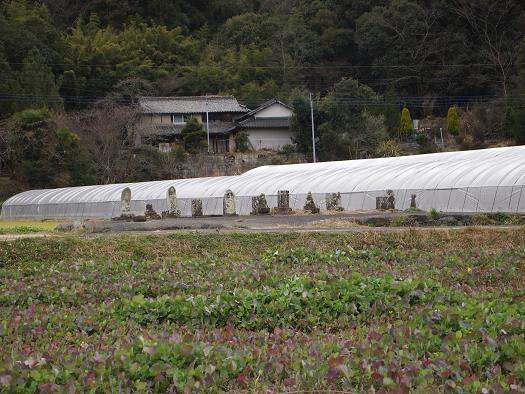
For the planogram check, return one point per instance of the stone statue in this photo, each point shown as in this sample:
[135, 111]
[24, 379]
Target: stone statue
[413, 204]
[125, 202]
[310, 204]
[150, 213]
[228, 204]
[283, 203]
[172, 201]
[196, 208]
[333, 202]
[386, 203]
[260, 205]
[390, 199]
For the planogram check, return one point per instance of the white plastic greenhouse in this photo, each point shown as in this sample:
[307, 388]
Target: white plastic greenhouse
[490, 180]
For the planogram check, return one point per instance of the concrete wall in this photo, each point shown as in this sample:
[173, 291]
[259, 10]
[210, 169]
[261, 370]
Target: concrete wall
[275, 111]
[271, 139]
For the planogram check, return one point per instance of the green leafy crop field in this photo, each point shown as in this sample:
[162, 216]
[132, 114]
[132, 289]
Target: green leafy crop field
[348, 312]
[27, 226]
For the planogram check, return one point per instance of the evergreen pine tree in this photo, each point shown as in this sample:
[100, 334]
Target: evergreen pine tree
[300, 125]
[406, 126]
[453, 121]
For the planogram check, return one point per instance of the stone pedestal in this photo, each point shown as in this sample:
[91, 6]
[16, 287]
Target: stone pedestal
[196, 208]
[283, 203]
[310, 204]
[333, 202]
[260, 205]
[228, 204]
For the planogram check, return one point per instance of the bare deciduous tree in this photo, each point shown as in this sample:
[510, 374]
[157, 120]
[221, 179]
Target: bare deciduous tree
[108, 132]
[129, 90]
[494, 24]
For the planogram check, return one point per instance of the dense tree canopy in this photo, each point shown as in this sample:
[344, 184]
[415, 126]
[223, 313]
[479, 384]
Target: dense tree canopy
[41, 154]
[259, 48]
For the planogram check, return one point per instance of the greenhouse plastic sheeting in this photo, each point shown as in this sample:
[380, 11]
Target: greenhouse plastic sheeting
[490, 180]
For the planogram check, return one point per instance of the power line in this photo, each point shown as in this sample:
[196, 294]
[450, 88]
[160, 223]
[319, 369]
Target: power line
[336, 97]
[409, 101]
[280, 67]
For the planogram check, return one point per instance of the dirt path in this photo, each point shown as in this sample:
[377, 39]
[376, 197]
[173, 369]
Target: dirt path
[338, 223]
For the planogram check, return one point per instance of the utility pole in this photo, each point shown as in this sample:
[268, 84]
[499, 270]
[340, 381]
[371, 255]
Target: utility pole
[313, 127]
[207, 123]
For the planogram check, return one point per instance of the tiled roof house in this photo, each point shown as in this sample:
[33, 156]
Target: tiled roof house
[267, 127]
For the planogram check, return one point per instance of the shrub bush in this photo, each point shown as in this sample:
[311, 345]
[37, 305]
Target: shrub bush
[242, 142]
[481, 219]
[288, 149]
[434, 214]
[398, 221]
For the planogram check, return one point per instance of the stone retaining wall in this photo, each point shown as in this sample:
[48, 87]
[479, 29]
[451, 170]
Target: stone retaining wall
[203, 165]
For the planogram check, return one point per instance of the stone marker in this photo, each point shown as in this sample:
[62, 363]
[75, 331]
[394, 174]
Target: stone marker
[333, 202]
[228, 204]
[413, 204]
[196, 208]
[386, 203]
[390, 199]
[171, 199]
[125, 202]
[150, 213]
[310, 204]
[283, 203]
[260, 206]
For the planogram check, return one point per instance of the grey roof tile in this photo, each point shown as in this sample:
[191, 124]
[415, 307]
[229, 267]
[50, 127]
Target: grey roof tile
[190, 105]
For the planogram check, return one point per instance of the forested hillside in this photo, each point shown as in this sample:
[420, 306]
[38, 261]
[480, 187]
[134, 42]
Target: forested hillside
[256, 49]
[364, 60]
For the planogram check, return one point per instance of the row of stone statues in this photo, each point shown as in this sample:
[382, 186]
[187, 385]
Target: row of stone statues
[259, 204]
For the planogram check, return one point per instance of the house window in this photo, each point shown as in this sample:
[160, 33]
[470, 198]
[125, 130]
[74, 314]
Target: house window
[177, 119]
